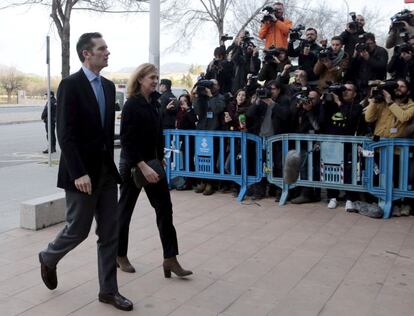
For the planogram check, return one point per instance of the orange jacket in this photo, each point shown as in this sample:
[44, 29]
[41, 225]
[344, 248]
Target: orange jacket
[275, 33]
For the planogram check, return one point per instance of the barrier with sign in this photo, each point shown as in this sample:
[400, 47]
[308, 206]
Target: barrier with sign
[218, 155]
[371, 165]
[383, 168]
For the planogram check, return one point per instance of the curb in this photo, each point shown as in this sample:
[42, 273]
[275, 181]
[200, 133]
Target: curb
[20, 122]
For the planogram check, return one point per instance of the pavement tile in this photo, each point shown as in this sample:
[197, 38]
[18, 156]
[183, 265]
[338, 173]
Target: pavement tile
[217, 297]
[186, 310]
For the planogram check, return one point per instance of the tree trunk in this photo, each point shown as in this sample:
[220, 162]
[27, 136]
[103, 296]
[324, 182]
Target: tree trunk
[9, 94]
[65, 44]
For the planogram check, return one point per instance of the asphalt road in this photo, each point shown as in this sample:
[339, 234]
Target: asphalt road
[22, 143]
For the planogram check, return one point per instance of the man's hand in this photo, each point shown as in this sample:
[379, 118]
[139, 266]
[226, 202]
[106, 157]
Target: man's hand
[170, 105]
[148, 172]
[364, 54]
[208, 92]
[387, 97]
[268, 101]
[84, 184]
[336, 99]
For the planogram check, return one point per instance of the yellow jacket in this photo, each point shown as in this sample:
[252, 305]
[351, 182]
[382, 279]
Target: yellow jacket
[390, 120]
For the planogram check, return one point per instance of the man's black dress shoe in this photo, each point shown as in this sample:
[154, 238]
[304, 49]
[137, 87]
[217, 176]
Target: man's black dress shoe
[116, 300]
[49, 276]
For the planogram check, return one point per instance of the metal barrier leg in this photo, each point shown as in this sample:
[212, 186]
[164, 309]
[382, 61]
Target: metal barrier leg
[284, 196]
[386, 206]
[242, 193]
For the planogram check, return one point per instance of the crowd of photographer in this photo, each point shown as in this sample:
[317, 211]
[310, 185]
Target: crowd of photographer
[338, 88]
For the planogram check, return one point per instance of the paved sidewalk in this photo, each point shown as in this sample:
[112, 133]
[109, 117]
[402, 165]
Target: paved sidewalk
[247, 260]
[21, 183]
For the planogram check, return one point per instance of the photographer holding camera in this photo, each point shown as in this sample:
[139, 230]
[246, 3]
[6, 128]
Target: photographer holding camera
[168, 103]
[332, 63]
[401, 64]
[209, 106]
[276, 65]
[221, 70]
[391, 108]
[307, 51]
[402, 22]
[340, 114]
[275, 28]
[353, 32]
[369, 62]
[245, 58]
[269, 115]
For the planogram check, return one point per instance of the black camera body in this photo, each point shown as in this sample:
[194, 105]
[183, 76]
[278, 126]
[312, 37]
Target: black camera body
[270, 53]
[264, 93]
[337, 89]
[354, 25]
[327, 53]
[226, 37]
[388, 86]
[303, 95]
[247, 39]
[269, 15]
[202, 85]
[296, 33]
[361, 46]
[402, 16]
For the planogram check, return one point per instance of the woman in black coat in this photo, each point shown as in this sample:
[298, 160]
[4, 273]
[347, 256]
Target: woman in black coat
[141, 141]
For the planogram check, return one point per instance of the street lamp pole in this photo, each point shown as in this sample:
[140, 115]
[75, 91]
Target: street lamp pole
[347, 10]
[154, 36]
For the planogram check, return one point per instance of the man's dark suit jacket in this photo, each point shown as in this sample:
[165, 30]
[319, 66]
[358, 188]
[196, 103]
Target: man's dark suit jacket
[85, 144]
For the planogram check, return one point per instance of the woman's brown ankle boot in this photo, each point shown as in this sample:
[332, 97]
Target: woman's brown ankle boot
[124, 264]
[172, 265]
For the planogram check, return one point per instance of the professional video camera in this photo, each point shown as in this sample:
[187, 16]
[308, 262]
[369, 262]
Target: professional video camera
[269, 15]
[388, 85]
[202, 85]
[226, 37]
[296, 33]
[270, 53]
[354, 25]
[264, 93]
[333, 89]
[402, 16]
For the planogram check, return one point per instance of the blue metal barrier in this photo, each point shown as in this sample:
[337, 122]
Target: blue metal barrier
[339, 154]
[218, 155]
[351, 163]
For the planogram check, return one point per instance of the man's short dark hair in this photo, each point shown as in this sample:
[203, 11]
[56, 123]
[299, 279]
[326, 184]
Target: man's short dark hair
[337, 38]
[278, 3]
[85, 43]
[369, 36]
[312, 29]
[219, 52]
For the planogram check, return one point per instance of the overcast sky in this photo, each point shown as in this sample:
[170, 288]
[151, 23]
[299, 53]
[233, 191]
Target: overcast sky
[23, 36]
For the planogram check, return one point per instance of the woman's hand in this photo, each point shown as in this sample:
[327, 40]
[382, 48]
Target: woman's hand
[148, 172]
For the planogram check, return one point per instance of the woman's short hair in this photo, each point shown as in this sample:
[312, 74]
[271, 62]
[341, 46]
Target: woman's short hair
[139, 73]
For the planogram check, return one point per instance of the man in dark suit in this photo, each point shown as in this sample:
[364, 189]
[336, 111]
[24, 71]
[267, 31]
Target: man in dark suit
[85, 130]
[52, 122]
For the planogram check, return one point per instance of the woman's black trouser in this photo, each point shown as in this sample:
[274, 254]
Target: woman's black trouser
[160, 199]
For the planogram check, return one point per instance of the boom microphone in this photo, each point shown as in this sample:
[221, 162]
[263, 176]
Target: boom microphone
[291, 168]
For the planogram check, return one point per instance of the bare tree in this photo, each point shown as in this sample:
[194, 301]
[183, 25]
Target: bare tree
[188, 20]
[11, 80]
[61, 12]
